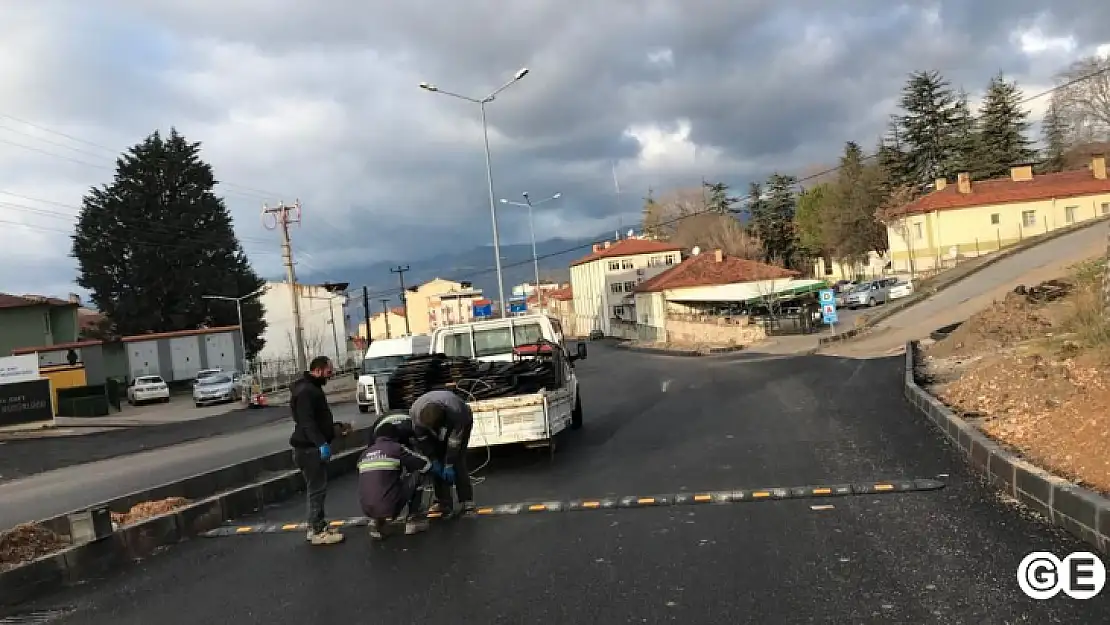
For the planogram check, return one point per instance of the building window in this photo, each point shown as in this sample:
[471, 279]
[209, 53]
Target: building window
[618, 312]
[655, 261]
[616, 287]
[670, 259]
[628, 286]
[1029, 218]
[626, 264]
[1069, 214]
[614, 265]
[917, 233]
[1106, 208]
[995, 219]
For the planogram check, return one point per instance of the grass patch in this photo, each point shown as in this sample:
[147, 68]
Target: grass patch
[1089, 320]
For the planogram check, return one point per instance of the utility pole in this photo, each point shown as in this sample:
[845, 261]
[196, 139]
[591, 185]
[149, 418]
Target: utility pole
[400, 271]
[385, 315]
[366, 312]
[280, 217]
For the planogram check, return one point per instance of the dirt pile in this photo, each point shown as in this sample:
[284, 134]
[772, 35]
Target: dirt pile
[149, 509]
[1018, 317]
[26, 542]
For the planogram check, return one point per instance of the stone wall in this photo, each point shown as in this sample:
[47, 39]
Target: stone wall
[712, 331]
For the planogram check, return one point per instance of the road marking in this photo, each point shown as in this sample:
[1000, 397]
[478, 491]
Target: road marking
[677, 499]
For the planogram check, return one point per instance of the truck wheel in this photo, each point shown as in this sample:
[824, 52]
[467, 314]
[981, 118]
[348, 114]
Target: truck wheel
[364, 409]
[576, 415]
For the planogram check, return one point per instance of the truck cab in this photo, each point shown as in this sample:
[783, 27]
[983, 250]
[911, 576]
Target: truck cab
[497, 339]
[381, 358]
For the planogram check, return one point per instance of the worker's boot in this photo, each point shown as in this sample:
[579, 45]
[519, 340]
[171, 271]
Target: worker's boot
[325, 536]
[468, 507]
[438, 509]
[377, 529]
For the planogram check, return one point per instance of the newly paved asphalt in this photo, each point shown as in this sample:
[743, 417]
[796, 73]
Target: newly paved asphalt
[654, 424]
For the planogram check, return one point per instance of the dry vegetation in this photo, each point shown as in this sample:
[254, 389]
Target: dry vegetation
[27, 542]
[1029, 372]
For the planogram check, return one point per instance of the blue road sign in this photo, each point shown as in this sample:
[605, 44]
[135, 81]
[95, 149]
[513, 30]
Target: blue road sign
[483, 311]
[518, 307]
[828, 306]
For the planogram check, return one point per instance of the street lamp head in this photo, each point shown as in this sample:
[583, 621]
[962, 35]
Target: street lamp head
[504, 201]
[525, 194]
[521, 73]
[557, 196]
[427, 86]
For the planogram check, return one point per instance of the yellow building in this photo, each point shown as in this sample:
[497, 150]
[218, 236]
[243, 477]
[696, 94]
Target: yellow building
[385, 325]
[974, 217]
[439, 303]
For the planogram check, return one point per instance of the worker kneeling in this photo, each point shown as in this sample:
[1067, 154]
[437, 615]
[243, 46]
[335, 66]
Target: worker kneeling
[391, 478]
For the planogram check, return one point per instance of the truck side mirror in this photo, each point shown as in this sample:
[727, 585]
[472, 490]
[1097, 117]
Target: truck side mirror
[581, 351]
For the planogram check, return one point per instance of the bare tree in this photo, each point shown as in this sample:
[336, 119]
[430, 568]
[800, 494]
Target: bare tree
[666, 214]
[683, 217]
[1083, 98]
[892, 213]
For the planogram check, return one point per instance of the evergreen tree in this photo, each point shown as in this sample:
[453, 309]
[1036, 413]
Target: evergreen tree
[756, 208]
[154, 241]
[811, 213]
[718, 199]
[1003, 125]
[927, 126]
[966, 149]
[779, 237]
[1055, 134]
[652, 215]
[850, 225]
[892, 157]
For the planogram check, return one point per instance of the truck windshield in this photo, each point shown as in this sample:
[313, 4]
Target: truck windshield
[382, 364]
[500, 341]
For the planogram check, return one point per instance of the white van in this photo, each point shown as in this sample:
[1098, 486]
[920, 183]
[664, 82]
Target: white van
[382, 357]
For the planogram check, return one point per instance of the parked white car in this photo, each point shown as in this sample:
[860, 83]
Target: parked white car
[213, 389]
[148, 388]
[901, 289]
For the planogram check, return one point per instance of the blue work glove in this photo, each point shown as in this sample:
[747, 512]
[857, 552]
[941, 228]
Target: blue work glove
[437, 468]
[325, 452]
[448, 475]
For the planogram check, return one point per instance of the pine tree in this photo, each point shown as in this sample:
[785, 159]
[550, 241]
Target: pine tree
[1003, 128]
[756, 208]
[1055, 134]
[780, 242]
[966, 149]
[651, 216]
[850, 224]
[927, 126]
[718, 199]
[154, 241]
[892, 157]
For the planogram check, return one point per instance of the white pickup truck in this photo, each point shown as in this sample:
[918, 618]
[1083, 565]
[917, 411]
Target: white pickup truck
[382, 357]
[533, 419]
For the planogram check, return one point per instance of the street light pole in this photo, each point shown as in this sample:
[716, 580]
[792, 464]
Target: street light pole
[482, 102]
[529, 204]
[239, 310]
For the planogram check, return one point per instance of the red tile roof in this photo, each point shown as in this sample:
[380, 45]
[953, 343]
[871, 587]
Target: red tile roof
[24, 301]
[705, 270]
[627, 247]
[398, 310]
[1006, 191]
[563, 294]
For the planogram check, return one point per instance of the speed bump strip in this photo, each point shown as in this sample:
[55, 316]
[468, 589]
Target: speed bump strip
[651, 501]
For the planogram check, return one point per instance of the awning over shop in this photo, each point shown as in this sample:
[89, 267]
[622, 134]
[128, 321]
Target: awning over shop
[746, 292]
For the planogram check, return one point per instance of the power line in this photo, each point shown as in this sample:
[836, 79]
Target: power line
[808, 178]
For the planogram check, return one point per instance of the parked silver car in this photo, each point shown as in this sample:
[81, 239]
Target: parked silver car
[216, 388]
[868, 293]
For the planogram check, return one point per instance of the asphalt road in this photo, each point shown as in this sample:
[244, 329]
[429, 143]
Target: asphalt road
[654, 424]
[1045, 261]
[53, 492]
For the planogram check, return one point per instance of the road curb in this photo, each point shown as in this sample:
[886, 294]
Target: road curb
[1081, 512]
[126, 545]
[918, 296]
[684, 353]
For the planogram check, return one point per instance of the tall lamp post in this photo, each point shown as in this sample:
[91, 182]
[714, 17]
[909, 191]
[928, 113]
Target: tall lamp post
[482, 102]
[238, 309]
[529, 204]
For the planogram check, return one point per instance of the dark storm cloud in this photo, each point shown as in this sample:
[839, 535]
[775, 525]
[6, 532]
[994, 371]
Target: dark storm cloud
[770, 85]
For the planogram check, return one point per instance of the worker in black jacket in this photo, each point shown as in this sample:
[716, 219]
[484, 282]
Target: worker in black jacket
[313, 432]
[442, 423]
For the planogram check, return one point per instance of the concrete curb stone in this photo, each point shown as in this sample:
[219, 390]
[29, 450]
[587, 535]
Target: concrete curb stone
[126, 545]
[686, 353]
[905, 303]
[1081, 512]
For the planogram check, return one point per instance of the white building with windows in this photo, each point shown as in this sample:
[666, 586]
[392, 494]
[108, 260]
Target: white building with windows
[603, 284]
[322, 317]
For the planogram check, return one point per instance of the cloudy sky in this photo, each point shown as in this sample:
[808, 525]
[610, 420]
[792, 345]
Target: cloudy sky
[319, 101]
